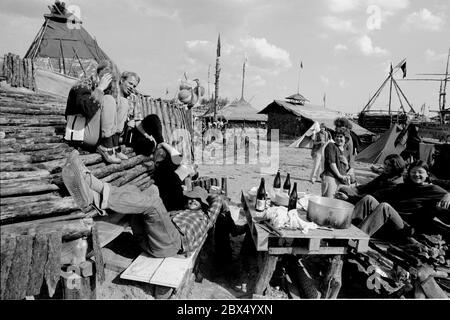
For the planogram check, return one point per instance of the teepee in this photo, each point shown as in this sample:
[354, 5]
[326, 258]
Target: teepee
[62, 44]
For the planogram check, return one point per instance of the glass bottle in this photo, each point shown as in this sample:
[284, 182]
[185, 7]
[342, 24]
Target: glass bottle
[287, 184]
[277, 183]
[261, 197]
[293, 198]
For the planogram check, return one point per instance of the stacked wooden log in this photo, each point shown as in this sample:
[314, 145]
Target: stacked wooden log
[34, 201]
[401, 265]
[18, 72]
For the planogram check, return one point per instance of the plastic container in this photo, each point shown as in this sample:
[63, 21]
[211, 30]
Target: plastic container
[329, 212]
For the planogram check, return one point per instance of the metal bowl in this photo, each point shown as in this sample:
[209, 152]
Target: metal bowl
[329, 212]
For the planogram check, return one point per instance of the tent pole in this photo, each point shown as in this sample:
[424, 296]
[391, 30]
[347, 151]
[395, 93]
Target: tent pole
[390, 93]
[62, 54]
[78, 58]
[34, 53]
[371, 100]
[406, 99]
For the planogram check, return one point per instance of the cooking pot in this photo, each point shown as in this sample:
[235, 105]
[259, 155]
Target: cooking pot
[329, 212]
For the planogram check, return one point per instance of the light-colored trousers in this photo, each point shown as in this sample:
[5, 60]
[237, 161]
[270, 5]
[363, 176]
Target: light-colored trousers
[108, 120]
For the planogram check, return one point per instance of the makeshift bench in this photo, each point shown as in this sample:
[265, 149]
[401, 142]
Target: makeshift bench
[172, 277]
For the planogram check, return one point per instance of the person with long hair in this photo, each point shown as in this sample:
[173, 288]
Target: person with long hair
[406, 207]
[93, 114]
[392, 174]
[336, 165]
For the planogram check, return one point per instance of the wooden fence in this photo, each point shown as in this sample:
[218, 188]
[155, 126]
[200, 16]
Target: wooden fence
[18, 72]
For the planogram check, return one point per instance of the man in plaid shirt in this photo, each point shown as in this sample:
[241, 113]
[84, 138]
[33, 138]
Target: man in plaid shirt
[159, 233]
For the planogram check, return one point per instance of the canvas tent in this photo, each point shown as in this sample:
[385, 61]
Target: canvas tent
[387, 144]
[63, 45]
[306, 140]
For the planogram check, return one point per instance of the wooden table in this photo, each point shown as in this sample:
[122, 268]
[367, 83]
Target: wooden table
[335, 243]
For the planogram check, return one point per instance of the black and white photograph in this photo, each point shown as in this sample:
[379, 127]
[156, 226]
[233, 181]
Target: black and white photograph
[233, 157]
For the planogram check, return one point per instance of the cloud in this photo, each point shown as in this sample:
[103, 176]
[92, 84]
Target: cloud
[265, 55]
[424, 19]
[351, 5]
[390, 5]
[340, 48]
[337, 24]
[432, 56]
[366, 46]
[325, 80]
[343, 84]
[26, 8]
[343, 5]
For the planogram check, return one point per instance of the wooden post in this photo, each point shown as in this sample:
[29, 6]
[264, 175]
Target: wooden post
[224, 150]
[267, 264]
[247, 150]
[20, 71]
[257, 145]
[235, 149]
[333, 280]
[224, 186]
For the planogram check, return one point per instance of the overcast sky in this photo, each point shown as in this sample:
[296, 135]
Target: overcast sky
[346, 46]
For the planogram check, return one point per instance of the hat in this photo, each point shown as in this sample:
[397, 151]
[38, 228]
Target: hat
[197, 193]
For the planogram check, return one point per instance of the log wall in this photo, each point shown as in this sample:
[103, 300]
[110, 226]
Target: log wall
[34, 202]
[18, 72]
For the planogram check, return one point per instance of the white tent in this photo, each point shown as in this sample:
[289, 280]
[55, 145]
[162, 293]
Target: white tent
[307, 139]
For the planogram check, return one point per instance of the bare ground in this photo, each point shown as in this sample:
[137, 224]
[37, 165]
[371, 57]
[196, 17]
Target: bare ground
[231, 281]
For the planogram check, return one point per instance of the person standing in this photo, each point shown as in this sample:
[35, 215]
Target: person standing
[321, 139]
[336, 165]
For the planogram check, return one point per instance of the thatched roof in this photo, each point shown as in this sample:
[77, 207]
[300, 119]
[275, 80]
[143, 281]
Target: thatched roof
[312, 113]
[297, 97]
[238, 110]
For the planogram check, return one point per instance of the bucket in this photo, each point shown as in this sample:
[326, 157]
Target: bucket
[329, 212]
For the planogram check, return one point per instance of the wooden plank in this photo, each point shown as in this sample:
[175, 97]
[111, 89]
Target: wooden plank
[99, 264]
[299, 250]
[38, 261]
[52, 268]
[8, 246]
[142, 269]
[314, 244]
[16, 285]
[171, 271]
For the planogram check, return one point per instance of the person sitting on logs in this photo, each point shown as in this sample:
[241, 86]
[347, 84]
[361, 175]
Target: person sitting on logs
[93, 115]
[127, 86]
[406, 207]
[169, 170]
[159, 233]
[337, 164]
[392, 174]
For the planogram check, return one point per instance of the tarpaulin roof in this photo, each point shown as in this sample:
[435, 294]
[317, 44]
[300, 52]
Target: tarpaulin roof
[312, 113]
[238, 110]
[59, 38]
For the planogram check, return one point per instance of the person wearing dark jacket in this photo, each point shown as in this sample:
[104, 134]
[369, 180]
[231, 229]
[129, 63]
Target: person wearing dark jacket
[92, 112]
[394, 167]
[405, 207]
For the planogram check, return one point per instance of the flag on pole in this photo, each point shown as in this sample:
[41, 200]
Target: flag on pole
[218, 46]
[402, 65]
